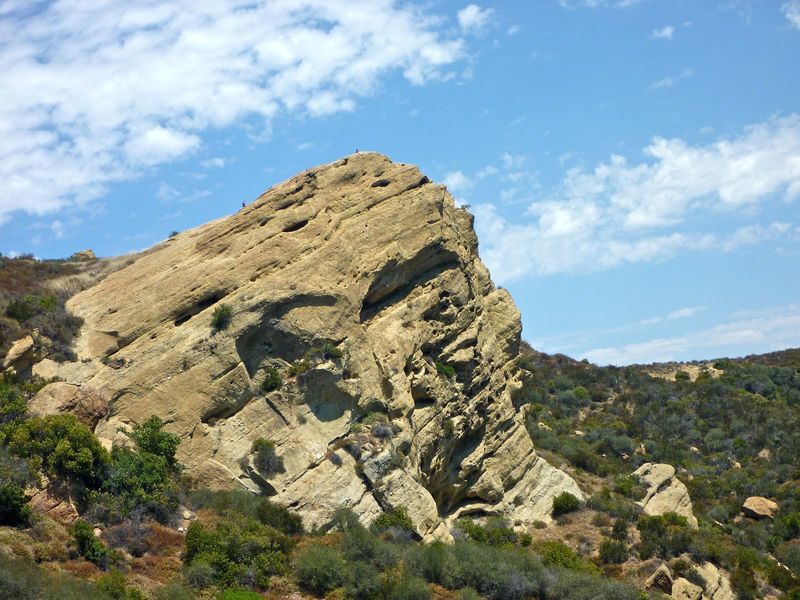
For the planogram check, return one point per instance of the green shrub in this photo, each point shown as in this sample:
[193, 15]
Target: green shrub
[14, 477]
[272, 380]
[298, 367]
[495, 532]
[558, 554]
[221, 317]
[321, 569]
[565, 503]
[397, 518]
[682, 376]
[331, 351]
[61, 446]
[89, 546]
[620, 530]
[136, 481]
[445, 370]
[149, 438]
[279, 517]
[613, 551]
[114, 586]
[266, 458]
[238, 551]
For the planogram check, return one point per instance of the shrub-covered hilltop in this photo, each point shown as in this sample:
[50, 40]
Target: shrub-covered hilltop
[730, 429]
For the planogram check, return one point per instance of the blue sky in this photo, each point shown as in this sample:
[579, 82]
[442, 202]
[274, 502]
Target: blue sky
[634, 166]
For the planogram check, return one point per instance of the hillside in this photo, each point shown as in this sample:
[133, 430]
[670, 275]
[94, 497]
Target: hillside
[325, 395]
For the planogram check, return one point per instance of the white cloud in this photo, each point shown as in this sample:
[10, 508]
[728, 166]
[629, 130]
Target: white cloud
[763, 331]
[665, 33]
[791, 10]
[214, 163]
[513, 30]
[457, 182]
[94, 92]
[755, 234]
[620, 213]
[305, 145]
[167, 192]
[668, 82]
[473, 18]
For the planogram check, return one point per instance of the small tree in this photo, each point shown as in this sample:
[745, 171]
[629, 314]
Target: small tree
[565, 503]
[221, 317]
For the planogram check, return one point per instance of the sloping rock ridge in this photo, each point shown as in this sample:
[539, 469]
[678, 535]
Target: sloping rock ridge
[359, 282]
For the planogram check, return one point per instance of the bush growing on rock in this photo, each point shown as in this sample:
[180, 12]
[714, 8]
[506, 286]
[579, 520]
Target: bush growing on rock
[272, 380]
[266, 458]
[445, 370]
[221, 317]
[397, 518]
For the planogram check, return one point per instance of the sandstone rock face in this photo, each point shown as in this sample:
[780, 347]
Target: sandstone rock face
[758, 507]
[20, 355]
[87, 404]
[661, 580]
[683, 589]
[362, 257]
[716, 585]
[665, 492]
[57, 500]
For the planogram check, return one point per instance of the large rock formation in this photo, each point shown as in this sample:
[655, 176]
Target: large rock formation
[362, 257]
[665, 492]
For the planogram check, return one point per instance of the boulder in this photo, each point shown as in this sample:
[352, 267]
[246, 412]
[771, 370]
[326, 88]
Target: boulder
[683, 589]
[87, 254]
[758, 507]
[362, 256]
[665, 492]
[21, 355]
[57, 499]
[86, 403]
[716, 584]
[661, 580]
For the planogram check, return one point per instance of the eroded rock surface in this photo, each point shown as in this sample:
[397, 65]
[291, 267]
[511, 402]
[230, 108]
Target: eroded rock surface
[665, 492]
[364, 257]
[87, 404]
[716, 584]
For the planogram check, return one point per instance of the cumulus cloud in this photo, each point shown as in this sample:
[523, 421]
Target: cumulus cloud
[665, 33]
[94, 92]
[762, 331]
[621, 213]
[473, 18]
[791, 10]
[457, 182]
